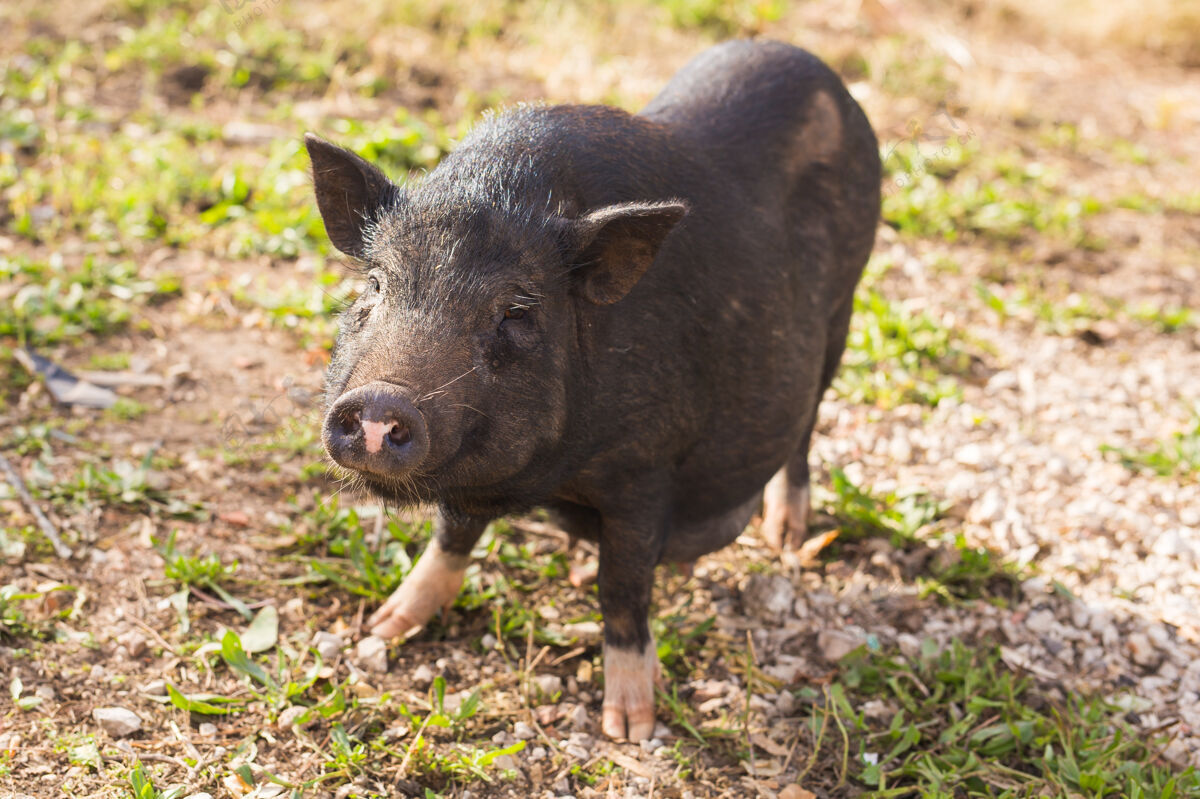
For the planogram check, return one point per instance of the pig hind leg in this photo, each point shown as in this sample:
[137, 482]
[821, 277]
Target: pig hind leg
[787, 499]
[787, 502]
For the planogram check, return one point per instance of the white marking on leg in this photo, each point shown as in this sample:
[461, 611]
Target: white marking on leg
[799, 511]
[431, 586]
[775, 510]
[629, 677]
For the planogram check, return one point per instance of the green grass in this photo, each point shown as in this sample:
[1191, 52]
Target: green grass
[900, 515]
[896, 356]
[960, 723]
[957, 570]
[51, 301]
[132, 486]
[720, 18]
[962, 192]
[19, 621]
[141, 786]
[1177, 457]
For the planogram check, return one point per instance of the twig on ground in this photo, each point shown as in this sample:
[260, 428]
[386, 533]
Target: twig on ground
[154, 634]
[379, 527]
[148, 757]
[217, 602]
[48, 528]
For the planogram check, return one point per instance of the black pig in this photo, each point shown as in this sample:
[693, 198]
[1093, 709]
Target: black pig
[626, 319]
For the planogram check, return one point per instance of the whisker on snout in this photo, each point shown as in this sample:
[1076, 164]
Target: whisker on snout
[443, 385]
[468, 407]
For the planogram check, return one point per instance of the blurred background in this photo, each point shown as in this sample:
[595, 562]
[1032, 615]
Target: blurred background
[1012, 446]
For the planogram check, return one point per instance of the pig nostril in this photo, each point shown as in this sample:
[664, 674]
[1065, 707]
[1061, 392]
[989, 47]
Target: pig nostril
[399, 436]
[351, 422]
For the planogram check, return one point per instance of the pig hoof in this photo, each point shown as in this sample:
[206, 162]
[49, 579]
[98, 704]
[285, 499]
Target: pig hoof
[629, 678]
[432, 586]
[582, 574]
[785, 513]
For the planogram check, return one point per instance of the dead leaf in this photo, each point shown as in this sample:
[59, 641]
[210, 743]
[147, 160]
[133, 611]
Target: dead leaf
[806, 555]
[767, 745]
[629, 764]
[796, 792]
[762, 768]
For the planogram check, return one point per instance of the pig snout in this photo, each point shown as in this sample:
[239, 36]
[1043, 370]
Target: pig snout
[376, 428]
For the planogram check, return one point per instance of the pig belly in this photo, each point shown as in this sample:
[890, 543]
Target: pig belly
[687, 541]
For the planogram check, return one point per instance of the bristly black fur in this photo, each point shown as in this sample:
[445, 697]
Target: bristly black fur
[629, 319]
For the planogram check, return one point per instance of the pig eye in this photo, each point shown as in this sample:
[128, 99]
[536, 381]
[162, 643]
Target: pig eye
[515, 312]
[373, 283]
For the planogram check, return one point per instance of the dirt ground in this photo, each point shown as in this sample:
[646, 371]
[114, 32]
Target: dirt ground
[1040, 243]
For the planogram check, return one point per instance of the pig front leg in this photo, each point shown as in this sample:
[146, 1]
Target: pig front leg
[631, 665]
[433, 584]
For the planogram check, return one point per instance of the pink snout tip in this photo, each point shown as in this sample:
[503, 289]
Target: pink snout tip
[374, 432]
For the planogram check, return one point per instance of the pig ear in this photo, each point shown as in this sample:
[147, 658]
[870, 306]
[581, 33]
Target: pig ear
[349, 191]
[612, 247]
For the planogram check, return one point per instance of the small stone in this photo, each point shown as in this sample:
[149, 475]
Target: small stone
[785, 703]
[651, 746]
[134, 643]
[836, 644]
[522, 731]
[155, 688]
[794, 791]
[786, 669]
[987, 509]
[396, 733]
[371, 654]
[576, 752]
[581, 739]
[548, 685]
[577, 718]
[505, 762]
[1142, 650]
[201, 795]
[328, 645]
[1171, 544]
[662, 731]
[502, 738]
[45, 693]
[768, 596]
[488, 642]
[538, 753]
[207, 729]
[422, 676]
[290, 716]
[453, 701]
[1040, 621]
[117, 721]
[971, 455]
